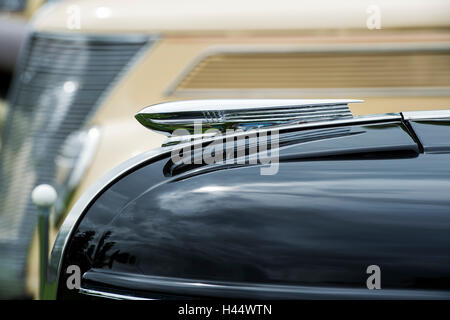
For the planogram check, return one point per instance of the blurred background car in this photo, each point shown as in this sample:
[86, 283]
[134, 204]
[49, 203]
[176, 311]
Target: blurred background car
[14, 16]
[87, 66]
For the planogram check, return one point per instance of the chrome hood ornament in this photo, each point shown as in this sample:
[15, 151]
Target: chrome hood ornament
[240, 113]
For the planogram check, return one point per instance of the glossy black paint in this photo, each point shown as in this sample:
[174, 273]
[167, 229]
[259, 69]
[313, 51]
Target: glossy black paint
[433, 135]
[342, 200]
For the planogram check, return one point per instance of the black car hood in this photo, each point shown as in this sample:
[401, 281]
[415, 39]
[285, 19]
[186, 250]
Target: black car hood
[336, 205]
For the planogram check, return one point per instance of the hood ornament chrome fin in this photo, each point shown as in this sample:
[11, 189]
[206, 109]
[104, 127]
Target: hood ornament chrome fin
[240, 113]
[236, 114]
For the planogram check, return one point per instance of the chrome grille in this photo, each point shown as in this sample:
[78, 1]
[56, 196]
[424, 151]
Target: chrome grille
[12, 5]
[59, 82]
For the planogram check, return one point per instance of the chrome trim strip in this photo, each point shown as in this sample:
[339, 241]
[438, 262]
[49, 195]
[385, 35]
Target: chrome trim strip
[340, 122]
[109, 295]
[426, 115]
[222, 289]
[241, 104]
[68, 226]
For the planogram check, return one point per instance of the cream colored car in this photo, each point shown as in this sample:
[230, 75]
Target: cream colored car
[90, 65]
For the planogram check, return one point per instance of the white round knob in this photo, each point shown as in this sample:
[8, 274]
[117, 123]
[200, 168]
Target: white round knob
[44, 195]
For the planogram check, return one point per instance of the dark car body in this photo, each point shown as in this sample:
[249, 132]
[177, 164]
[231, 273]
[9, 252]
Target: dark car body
[348, 194]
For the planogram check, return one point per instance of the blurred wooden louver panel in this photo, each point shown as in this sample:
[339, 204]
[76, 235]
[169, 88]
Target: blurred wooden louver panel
[305, 70]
